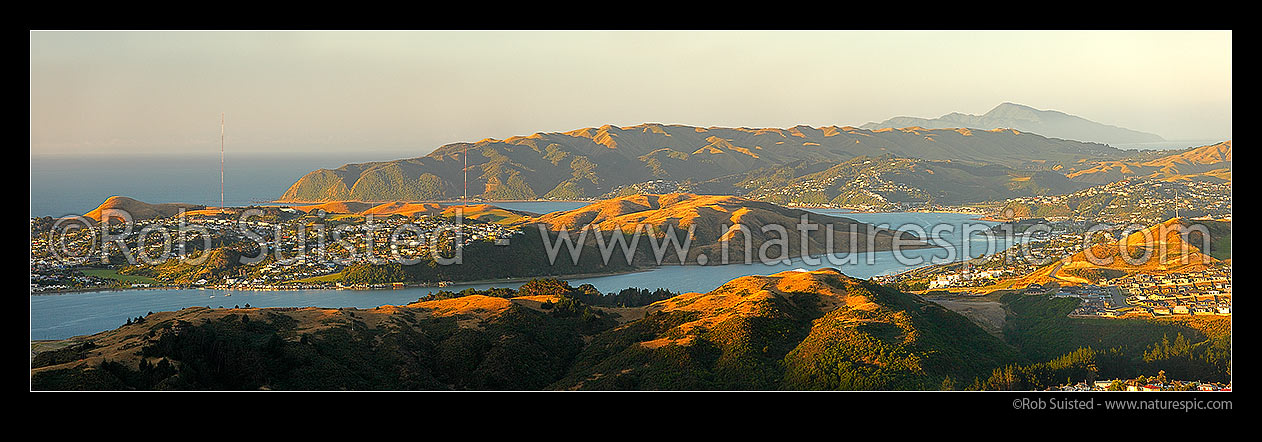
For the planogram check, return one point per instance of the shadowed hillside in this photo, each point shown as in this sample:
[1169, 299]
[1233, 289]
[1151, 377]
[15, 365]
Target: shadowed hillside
[795, 330]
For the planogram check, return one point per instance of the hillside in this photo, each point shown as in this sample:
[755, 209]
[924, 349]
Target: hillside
[1209, 163]
[138, 210]
[885, 182]
[770, 230]
[591, 162]
[1052, 124]
[792, 330]
[1177, 245]
[475, 342]
[796, 330]
[482, 212]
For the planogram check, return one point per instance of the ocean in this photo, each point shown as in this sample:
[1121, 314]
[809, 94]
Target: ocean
[73, 185]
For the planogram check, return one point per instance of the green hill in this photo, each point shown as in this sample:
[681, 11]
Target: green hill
[793, 330]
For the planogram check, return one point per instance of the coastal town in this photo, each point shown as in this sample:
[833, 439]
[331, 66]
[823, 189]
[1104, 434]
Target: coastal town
[1150, 293]
[287, 249]
[1206, 292]
[1129, 201]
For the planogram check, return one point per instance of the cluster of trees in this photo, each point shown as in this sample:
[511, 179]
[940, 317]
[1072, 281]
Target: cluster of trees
[585, 294]
[1081, 364]
[628, 297]
[1201, 349]
[1208, 360]
[367, 273]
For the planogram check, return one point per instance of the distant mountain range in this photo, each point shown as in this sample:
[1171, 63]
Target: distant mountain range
[592, 162]
[1048, 123]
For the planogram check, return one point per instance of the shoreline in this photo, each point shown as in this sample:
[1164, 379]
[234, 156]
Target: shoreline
[93, 290]
[516, 279]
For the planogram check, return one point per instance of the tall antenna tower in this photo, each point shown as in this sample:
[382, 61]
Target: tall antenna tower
[464, 168]
[221, 118]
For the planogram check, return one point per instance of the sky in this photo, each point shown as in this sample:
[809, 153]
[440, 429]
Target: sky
[408, 92]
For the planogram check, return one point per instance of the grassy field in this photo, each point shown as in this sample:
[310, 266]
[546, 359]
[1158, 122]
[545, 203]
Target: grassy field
[127, 279]
[332, 277]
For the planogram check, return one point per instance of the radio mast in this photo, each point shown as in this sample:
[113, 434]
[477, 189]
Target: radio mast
[221, 117]
[464, 169]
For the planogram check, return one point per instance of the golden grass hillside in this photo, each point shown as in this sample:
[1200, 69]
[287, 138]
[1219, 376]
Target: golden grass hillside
[137, 209]
[1205, 162]
[714, 219]
[1162, 248]
[748, 297]
[118, 345]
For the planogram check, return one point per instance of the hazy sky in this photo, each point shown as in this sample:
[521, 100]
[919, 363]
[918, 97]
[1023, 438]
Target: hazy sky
[410, 92]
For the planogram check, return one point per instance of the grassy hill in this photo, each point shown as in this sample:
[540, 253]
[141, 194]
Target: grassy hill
[886, 180]
[470, 343]
[591, 162]
[1209, 163]
[797, 330]
[137, 210]
[1177, 245]
[792, 330]
[769, 230]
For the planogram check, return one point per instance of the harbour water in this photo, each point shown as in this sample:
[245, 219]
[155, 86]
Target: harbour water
[63, 185]
[66, 315]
